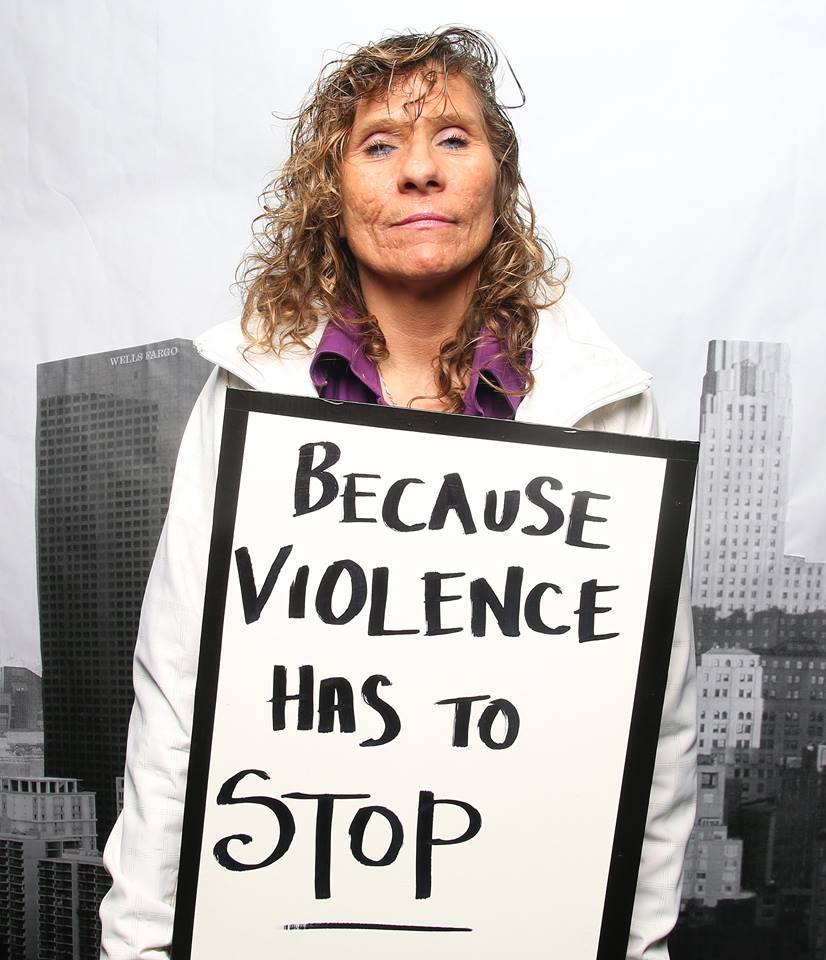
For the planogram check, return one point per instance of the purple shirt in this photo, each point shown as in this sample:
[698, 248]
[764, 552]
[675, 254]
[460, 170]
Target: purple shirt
[341, 371]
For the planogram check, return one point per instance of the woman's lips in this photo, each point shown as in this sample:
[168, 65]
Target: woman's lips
[427, 219]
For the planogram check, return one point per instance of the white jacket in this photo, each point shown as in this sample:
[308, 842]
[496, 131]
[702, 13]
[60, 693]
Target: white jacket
[582, 380]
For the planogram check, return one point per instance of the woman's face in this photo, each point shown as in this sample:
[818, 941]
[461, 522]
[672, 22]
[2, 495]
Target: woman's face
[418, 183]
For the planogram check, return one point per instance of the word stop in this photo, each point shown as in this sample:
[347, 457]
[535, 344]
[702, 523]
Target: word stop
[425, 840]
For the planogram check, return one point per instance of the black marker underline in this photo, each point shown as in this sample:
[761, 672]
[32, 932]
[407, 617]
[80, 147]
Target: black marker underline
[416, 928]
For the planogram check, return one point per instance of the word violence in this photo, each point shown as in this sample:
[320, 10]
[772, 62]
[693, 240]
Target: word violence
[508, 607]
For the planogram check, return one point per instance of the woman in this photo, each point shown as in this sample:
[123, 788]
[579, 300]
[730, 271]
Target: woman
[399, 264]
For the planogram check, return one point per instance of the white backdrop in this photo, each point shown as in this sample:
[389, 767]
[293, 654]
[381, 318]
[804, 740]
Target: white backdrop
[675, 155]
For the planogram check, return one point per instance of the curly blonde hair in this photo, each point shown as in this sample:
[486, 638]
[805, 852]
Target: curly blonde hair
[300, 271]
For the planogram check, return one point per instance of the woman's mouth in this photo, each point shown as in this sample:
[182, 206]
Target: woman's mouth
[426, 218]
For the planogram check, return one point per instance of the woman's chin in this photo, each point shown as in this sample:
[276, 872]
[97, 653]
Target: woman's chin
[434, 268]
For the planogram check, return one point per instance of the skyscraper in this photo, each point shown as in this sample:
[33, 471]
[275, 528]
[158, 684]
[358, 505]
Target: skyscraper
[108, 430]
[742, 477]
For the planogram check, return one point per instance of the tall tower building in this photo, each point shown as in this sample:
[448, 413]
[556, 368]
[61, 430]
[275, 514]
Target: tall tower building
[108, 430]
[742, 477]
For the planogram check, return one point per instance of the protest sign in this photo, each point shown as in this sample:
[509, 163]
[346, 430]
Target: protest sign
[432, 667]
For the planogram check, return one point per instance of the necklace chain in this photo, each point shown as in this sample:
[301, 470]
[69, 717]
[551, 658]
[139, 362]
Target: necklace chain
[386, 390]
[389, 396]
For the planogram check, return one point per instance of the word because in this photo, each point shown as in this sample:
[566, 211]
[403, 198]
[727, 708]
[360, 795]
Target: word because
[451, 498]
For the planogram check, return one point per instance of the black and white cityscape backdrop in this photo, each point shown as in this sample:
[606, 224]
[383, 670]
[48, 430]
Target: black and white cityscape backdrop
[675, 158]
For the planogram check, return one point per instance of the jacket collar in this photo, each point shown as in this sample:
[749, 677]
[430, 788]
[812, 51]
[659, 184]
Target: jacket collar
[577, 368]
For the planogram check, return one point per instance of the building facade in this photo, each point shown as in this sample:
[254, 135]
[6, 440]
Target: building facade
[817, 919]
[729, 700]
[802, 585]
[21, 754]
[49, 808]
[70, 889]
[40, 817]
[712, 867]
[21, 702]
[794, 720]
[775, 630]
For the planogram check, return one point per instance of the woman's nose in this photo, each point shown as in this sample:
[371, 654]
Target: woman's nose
[420, 168]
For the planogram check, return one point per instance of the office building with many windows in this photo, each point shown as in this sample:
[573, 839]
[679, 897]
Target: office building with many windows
[712, 866]
[70, 889]
[40, 817]
[742, 476]
[729, 700]
[108, 430]
[739, 559]
[21, 704]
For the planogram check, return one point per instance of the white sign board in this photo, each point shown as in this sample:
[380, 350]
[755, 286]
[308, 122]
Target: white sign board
[432, 668]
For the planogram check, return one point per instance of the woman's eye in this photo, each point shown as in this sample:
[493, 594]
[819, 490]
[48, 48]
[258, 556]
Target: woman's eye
[378, 148]
[454, 141]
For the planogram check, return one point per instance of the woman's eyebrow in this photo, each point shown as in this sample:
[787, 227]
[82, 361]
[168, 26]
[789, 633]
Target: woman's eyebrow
[385, 123]
[396, 123]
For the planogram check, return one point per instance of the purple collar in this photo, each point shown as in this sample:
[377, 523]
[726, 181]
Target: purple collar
[341, 371]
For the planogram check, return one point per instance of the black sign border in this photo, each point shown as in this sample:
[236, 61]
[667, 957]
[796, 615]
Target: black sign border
[667, 565]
